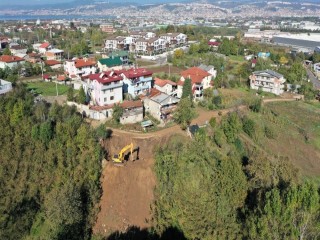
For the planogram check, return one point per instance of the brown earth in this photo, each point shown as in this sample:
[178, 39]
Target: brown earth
[128, 190]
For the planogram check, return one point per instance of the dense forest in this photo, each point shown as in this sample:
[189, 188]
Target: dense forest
[216, 187]
[50, 170]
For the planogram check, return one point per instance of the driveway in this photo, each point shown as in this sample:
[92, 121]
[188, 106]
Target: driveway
[313, 79]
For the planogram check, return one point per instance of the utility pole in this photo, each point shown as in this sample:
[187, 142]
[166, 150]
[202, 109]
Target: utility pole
[57, 89]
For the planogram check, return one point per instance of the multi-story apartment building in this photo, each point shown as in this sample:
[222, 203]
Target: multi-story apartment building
[115, 43]
[175, 39]
[149, 46]
[105, 88]
[137, 81]
[108, 28]
[267, 81]
[79, 67]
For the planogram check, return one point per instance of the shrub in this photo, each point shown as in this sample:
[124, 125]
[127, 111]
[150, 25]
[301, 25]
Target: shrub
[269, 132]
[248, 126]
[212, 122]
[256, 105]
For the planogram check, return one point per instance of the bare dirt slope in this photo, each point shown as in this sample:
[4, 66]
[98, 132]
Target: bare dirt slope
[128, 190]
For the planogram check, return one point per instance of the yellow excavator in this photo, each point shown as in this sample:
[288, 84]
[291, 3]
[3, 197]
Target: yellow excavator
[119, 158]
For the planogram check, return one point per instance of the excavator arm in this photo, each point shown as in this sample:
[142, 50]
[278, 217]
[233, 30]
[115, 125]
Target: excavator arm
[119, 158]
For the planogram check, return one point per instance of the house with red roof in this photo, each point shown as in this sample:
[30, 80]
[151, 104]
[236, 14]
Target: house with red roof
[44, 47]
[137, 81]
[10, 61]
[200, 80]
[78, 68]
[104, 88]
[53, 64]
[166, 86]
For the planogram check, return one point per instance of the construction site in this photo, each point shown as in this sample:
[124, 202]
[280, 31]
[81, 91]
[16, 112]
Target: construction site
[128, 186]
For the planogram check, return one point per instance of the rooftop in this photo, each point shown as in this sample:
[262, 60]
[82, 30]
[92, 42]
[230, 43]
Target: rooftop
[111, 62]
[9, 59]
[269, 72]
[195, 74]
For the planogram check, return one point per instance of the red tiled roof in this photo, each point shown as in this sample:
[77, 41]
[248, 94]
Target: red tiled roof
[196, 74]
[79, 63]
[137, 72]
[131, 104]
[163, 82]
[9, 59]
[106, 77]
[52, 62]
[44, 45]
[46, 76]
[61, 78]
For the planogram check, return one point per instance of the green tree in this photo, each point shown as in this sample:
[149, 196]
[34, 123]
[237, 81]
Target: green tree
[117, 112]
[70, 94]
[231, 126]
[81, 96]
[6, 51]
[187, 89]
[184, 113]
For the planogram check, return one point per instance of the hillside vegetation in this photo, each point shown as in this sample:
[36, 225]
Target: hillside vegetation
[50, 170]
[236, 180]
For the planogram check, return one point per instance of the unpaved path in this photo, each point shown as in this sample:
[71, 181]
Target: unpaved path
[128, 191]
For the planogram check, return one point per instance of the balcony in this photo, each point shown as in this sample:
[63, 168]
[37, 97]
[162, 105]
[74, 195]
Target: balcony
[111, 85]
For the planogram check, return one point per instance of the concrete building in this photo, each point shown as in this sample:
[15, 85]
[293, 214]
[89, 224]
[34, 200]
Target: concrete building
[267, 81]
[104, 88]
[54, 54]
[132, 112]
[10, 61]
[78, 68]
[108, 28]
[299, 42]
[137, 81]
[165, 86]
[5, 86]
[161, 106]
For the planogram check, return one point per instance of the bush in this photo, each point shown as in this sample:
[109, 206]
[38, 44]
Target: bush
[256, 105]
[212, 122]
[248, 126]
[269, 132]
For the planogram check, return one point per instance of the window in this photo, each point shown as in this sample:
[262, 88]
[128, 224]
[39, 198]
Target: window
[111, 90]
[105, 99]
[111, 98]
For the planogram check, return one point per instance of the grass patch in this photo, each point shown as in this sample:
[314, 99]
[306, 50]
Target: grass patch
[237, 58]
[297, 129]
[47, 88]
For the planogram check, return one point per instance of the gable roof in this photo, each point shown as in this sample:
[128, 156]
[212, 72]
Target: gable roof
[10, 59]
[111, 62]
[79, 63]
[162, 82]
[195, 74]
[44, 45]
[268, 72]
[206, 68]
[52, 62]
[131, 104]
[106, 77]
[137, 72]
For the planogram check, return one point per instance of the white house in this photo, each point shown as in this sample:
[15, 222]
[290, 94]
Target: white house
[44, 47]
[10, 61]
[78, 68]
[54, 54]
[15, 50]
[316, 68]
[175, 39]
[267, 81]
[210, 69]
[5, 86]
[165, 86]
[200, 80]
[104, 88]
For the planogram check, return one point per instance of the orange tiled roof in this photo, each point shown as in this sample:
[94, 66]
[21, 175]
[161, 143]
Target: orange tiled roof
[196, 74]
[44, 45]
[52, 62]
[79, 63]
[9, 59]
[163, 82]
